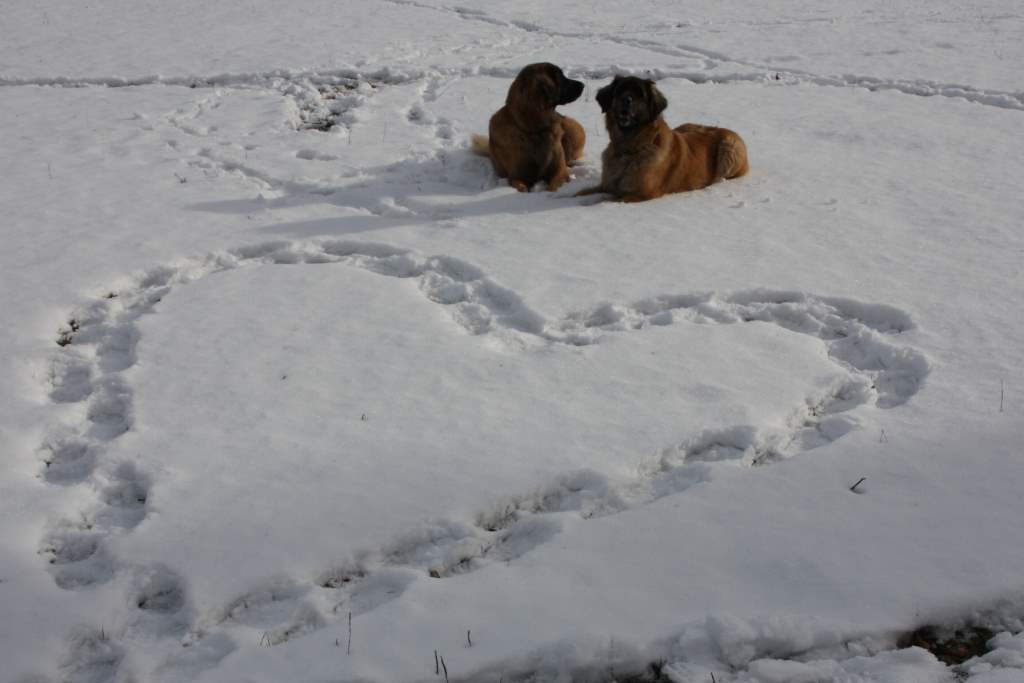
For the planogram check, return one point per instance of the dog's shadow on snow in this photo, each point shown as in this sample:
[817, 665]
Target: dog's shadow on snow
[451, 186]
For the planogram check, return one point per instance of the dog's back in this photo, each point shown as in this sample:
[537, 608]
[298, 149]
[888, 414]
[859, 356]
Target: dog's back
[709, 154]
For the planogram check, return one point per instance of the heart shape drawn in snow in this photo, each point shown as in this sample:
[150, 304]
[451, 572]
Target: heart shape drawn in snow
[361, 415]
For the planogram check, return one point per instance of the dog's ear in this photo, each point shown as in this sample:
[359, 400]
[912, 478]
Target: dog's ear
[548, 91]
[606, 94]
[655, 100]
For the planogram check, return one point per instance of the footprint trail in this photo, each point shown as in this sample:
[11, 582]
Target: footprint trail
[100, 342]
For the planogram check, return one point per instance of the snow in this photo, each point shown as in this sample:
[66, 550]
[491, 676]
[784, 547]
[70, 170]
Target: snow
[311, 378]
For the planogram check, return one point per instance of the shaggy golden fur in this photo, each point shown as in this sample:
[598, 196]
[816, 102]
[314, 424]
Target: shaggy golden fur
[646, 159]
[528, 140]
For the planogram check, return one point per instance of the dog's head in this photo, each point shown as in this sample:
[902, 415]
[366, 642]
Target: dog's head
[629, 102]
[543, 86]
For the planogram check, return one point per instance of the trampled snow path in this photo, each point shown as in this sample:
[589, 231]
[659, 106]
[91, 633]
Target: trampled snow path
[712, 67]
[402, 74]
[101, 339]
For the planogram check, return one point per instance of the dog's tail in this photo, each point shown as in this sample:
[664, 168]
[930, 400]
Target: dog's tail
[480, 145]
[732, 158]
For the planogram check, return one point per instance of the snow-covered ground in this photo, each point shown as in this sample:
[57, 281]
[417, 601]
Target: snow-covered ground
[290, 404]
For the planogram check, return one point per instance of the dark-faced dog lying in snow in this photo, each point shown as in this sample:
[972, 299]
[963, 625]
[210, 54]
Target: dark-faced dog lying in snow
[530, 141]
[646, 159]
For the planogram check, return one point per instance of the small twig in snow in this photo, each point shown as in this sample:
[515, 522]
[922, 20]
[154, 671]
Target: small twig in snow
[437, 665]
[859, 482]
[348, 650]
[469, 641]
[445, 667]
[611, 657]
[1002, 392]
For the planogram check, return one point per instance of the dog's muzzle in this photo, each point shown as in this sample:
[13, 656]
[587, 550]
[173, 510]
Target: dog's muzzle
[570, 91]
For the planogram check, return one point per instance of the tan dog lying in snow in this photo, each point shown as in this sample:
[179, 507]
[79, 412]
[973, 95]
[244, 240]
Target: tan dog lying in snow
[646, 159]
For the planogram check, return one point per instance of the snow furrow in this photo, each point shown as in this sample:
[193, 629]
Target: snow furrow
[99, 344]
[715, 71]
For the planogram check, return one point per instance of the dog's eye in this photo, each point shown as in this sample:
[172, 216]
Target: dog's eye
[628, 100]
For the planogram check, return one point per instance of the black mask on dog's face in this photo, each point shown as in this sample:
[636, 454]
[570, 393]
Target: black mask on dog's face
[550, 86]
[630, 102]
[568, 89]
